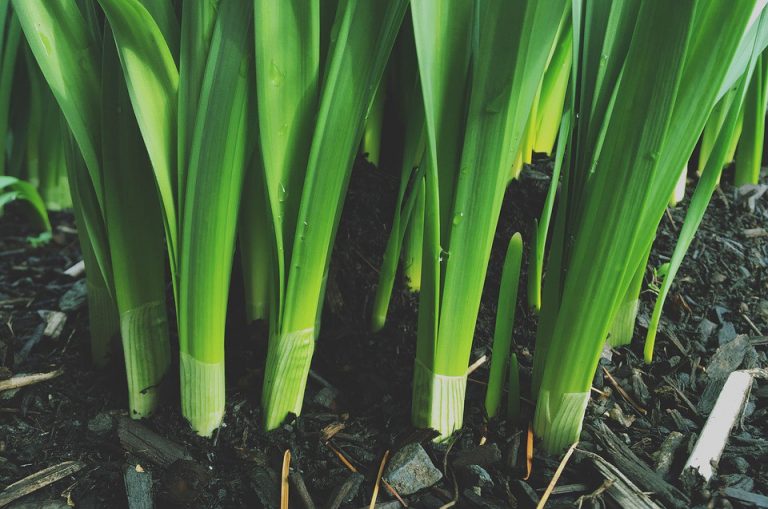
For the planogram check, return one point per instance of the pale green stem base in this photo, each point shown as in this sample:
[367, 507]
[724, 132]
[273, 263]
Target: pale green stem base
[147, 355]
[202, 393]
[560, 426]
[678, 194]
[285, 377]
[438, 400]
[623, 325]
[104, 323]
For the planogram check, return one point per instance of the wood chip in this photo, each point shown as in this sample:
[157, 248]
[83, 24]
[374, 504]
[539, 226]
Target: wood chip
[635, 469]
[39, 480]
[54, 323]
[138, 487]
[556, 477]
[344, 490]
[18, 381]
[747, 497]
[300, 488]
[148, 445]
[752, 233]
[329, 431]
[623, 491]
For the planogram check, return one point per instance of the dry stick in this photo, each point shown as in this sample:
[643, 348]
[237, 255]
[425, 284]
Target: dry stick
[378, 479]
[38, 480]
[284, 479]
[624, 394]
[556, 477]
[669, 215]
[18, 381]
[528, 453]
[751, 324]
[479, 362]
[352, 468]
[453, 476]
[455, 495]
[680, 393]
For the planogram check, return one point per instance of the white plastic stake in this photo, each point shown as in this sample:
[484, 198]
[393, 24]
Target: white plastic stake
[718, 427]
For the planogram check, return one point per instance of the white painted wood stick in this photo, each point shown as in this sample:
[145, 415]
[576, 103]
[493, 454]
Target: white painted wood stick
[718, 427]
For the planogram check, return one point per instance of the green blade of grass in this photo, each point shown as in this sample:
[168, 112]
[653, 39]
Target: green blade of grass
[622, 183]
[287, 62]
[511, 45]
[217, 159]
[152, 79]
[410, 193]
[61, 42]
[135, 235]
[9, 49]
[364, 35]
[505, 321]
[12, 188]
[705, 188]
[749, 154]
[541, 227]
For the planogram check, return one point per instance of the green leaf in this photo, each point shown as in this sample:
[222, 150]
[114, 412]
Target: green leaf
[12, 189]
[505, 321]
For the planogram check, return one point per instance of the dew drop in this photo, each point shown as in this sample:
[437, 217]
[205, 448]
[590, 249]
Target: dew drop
[276, 76]
[458, 218]
[46, 42]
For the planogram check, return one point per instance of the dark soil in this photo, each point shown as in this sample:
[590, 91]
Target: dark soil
[361, 381]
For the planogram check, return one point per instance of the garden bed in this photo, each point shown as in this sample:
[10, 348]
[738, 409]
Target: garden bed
[359, 391]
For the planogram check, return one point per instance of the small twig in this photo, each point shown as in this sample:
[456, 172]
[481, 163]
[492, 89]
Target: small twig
[723, 198]
[682, 395]
[18, 381]
[352, 468]
[322, 381]
[284, 488]
[455, 500]
[624, 394]
[751, 324]
[528, 453]
[672, 221]
[453, 441]
[38, 480]
[479, 362]
[341, 457]
[378, 479]
[607, 483]
[556, 477]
